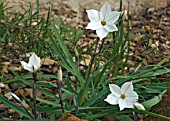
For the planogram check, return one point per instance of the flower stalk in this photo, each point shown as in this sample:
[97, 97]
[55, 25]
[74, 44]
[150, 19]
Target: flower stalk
[76, 104]
[34, 93]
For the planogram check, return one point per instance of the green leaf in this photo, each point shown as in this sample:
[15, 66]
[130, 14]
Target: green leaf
[162, 61]
[14, 107]
[22, 79]
[103, 113]
[55, 104]
[47, 93]
[68, 57]
[30, 76]
[95, 98]
[153, 101]
[146, 113]
[123, 118]
[46, 84]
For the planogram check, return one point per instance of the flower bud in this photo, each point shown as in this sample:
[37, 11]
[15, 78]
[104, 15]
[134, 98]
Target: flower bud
[124, 15]
[60, 74]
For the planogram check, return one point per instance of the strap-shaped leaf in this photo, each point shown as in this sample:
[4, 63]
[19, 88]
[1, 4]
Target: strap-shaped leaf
[14, 107]
[153, 101]
[68, 57]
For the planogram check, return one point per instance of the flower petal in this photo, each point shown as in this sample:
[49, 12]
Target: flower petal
[112, 99]
[105, 11]
[113, 16]
[125, 104]
[93, 15]
[94, 25]
[110, 27]
[27, 66]
[122, 104]
[35, 61]
[129, 104]
[131, 96]
[115, 90]
[127, 86]
[101, 33]
[139, 106]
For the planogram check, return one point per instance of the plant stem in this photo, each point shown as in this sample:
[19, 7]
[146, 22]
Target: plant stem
[75, 97]
[34, 94]
[60, 94]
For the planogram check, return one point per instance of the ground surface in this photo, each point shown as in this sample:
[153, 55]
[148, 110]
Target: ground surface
[150, 40]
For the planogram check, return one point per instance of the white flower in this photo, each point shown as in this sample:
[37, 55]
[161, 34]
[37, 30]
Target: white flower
[125, 97]
[33, 64]
[139, 106]
[103, 21]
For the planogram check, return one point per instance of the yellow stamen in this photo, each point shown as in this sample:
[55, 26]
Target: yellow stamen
[103, 23]
[122, 96]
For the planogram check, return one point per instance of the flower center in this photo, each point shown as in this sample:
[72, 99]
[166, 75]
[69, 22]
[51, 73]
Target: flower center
[103, 23]
[122, 96]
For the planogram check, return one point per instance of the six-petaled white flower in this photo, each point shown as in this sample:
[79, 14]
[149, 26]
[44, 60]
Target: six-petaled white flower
[34, 63]
[103, 21]
[125, 97]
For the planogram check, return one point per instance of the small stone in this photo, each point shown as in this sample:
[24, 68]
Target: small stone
[86, 60]
[150, 10]
[8, 95]
[154, 46]
[54, 70]
[2, 85]
[5, 69]
[154, 36]
[72, 78]
[47, 61]
[14, 68]
[28, 92]
[15, 115]
[132, 63]
[144, 61]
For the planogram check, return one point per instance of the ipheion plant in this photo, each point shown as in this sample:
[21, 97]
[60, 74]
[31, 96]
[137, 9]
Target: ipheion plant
[103, 21]
[125, 97]
[33, 65]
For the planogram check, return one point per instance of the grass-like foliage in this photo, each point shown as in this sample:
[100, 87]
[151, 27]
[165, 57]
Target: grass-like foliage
[84, 97]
